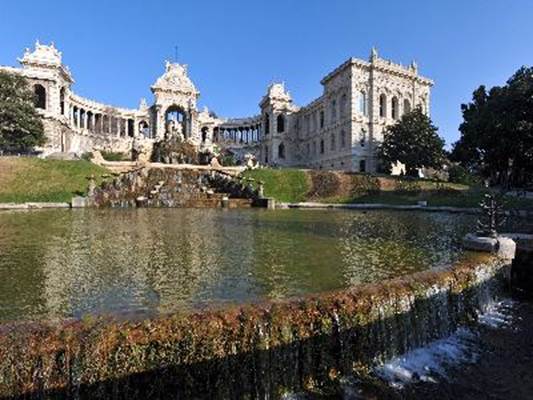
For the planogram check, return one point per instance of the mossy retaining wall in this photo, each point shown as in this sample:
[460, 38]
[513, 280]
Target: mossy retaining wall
[253, 351]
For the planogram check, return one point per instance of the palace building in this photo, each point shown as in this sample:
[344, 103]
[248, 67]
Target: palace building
[339, 130]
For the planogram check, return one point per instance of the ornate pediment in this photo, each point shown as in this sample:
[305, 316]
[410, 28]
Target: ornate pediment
[175, 79]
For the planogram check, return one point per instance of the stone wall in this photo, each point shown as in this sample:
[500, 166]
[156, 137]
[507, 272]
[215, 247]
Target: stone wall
[253, 351]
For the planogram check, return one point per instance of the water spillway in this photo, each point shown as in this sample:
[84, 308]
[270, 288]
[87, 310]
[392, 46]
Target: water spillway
[251, 351]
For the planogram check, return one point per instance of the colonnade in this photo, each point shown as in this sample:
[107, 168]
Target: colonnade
[244, 134]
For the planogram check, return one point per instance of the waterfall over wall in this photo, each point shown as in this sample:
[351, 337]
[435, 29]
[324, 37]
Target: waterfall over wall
[253, 351]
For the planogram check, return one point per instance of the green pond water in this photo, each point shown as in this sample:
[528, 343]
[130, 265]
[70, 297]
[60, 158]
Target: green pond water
[69, 263]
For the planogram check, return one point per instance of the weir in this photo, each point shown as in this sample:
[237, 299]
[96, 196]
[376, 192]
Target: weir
[253, 351]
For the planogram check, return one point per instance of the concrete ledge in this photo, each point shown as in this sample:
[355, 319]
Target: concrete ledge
[504, 247]
[32, 205]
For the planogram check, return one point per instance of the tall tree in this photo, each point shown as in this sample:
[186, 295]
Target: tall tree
[413, 141]
[21, 128]
[497, 131]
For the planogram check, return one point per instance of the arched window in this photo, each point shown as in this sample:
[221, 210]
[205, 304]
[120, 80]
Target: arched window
[395, 111]
[332, 142]
[266, 118]
[40, 96]
[321, 119]
[406, 106]
[281, 150]
[343, 104]
[362, 103]
[322, 146]
[343, 139]
[333, 110]
[174, 116]
[280, 122]
[383, 106]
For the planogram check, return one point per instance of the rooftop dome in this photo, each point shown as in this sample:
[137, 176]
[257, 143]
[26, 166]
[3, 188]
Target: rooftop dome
[175, 79]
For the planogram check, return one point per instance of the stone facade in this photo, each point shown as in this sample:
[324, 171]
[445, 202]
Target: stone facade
[339, 130]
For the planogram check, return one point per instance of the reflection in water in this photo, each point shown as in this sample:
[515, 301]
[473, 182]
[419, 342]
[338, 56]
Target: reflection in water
[60, 263]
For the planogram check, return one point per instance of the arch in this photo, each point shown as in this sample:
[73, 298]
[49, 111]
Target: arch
[280, 122]
[395, 108]
[266, 119]
[281, 151]
[39, 96]
[362, 103]
[406, 106]
[383, 105]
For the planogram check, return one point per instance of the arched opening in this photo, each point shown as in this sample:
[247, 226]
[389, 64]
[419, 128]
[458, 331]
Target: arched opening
[266, 119]
[144, 129]
[382, 106]
[205, 131]
[176, 120]
[395, 111]
[40, 96]
[281, 151]
[406, 106]
[280, 123]
[62, 100]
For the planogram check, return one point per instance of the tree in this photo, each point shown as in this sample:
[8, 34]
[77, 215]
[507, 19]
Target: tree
[413, 141]
[21, 128]
[497, 132]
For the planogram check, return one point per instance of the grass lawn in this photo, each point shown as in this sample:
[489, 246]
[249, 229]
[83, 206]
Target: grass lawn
[25, 179]
[293, 185]
[287, 185]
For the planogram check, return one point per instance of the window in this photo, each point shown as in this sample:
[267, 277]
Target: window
[332, 142]
[281, 150]
[308, 150]
[40, 97]
[314, 148]
[62, 100]
[280, 122]
[266, 119]
[266, 155]
[321, 119]
[362, 166]
[362, 103]
[343, 139]
[322, 146]
[363, 138]
[333, 110]
[383, 106]
[395, 111]
[406, 106]
[343, 105]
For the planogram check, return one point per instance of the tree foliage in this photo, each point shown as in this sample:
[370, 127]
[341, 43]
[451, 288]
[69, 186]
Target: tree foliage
[497, 131]
[413, 141]
[21, 128]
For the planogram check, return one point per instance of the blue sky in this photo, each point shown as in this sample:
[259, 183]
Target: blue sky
[234, 49]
